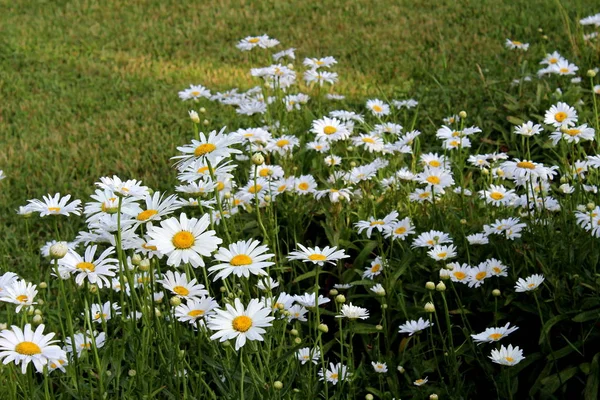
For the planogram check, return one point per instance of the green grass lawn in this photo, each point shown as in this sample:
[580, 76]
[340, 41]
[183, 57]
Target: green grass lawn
[89, 88]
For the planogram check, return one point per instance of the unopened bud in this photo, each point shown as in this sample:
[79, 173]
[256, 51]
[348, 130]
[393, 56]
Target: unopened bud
[132, 372]
[194, 116]
[258, 159]
[429, 307]
[433, 396]
[333, 292]
[202, 110]
[323, 328]
[37, 319]
[144, 265]
[93, 289]
[591, 73]
[379, 327]
[590, 206]
[135, 259]
[58, 250]
[277, 385]
[369, 396]
[440, 287]
[175, 301]
[496, 293]
[37, 311]
[294, 332]
[401, 369]
[340, 298]
[462, 114]
[43, 285]
[384, 306]
[463, 221]
[297, 340]
[430, 285]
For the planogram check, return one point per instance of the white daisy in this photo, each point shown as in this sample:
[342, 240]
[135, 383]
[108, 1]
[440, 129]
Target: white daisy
[242, 259]
[19, 292]
[336, 372]
[412, 327]
[507, 355]
[494, 334]
[179, 285]
[96, 270]
[196, 309]
[25, 346]
[530, 283]
[55, 205]
[353, 312]
[131, 187]
[317, 255]
[560, 114]
[306, 354]
[378, 107]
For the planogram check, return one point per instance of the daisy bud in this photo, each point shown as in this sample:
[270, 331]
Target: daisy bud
[132, 373]
[333, 292]
[267, 198]
[37, 311]
[297, 340]
[463, 221]
[144, 265]
[225, 343]
[433, 396]
[591, 73]
[43, 285]
[175, 301]
[545, 37]
[369, 397]
[205, 122]
[485, 171]
[41, 302]
[227, 195]
[444, 274]
[401, 369]
[540, 30]
[323, 328]
[384, 306]
[340, 298]
[108, 373]
[290, 66]
[258, 159]
[222, 289]
[135, 260]
[350, 148]
[429, 307]
[157, 313]
[93, 289]
[462, 114]
[277, 385]
[352, 164]
[194, 116]
[202, 110]
[294, 332]
[379, 327]
[58, 250]
[496, 293]
[37, 319]
[440, 287]
[590, 206]
[430, 285]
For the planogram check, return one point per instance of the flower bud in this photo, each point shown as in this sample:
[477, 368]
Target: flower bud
[591, 73]
[430, 285]
[93, 289]
[132, 373]
[202, 110]
[135, 259]
[144, 265]
[175, 301]
[340, 298]
[463, 221]
[369, 396]
[444, 274]
[379, 327]
[194, 116]
[323, 328]
[294, 332]
[401, 369]
[496, 293]
[440, 287]
[258, 159]
[43, 285]
[222, 289]
[277, 385]
[297, 340]
[37, 311]
[429, 307]
[37, 319]
[333, 292]
[384, 306]
[433, 396]
[590, 206]
[205, 122]
[58, 250]
[108, 373]
[462, 114]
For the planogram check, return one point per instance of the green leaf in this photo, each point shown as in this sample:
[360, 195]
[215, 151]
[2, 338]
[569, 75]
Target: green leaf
[549, 324]
[552, 383]
[364, 328]
[307, 275]
[587, 316]
[591, 386]
[514, 120]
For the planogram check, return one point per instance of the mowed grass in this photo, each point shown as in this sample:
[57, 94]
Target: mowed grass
[89, 88]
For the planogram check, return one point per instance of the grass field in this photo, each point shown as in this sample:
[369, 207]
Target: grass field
[89, 89]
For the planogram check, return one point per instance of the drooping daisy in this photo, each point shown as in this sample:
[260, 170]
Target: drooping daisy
[507, 355]
[131, 187]
[317, 255]
[378, 107]
[353, 312]
[184, 240]
[96, 270]
[25, 346]
[347, 115]
[21, 293]
[374, 223]
[379, 367]
[478, 238]
[6, 280]
[196, 309]
[375, 269]
[242, 259]
[377, 289]
[494, 334]
[412, 327]
[240, 323]
[267, 283]
[55, 205]
[560, 114]
[530, 283]
[179, 285]
[336, 372]
[306, 354]
[289, 53]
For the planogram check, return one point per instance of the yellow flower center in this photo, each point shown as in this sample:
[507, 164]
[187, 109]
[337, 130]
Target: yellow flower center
[183, 240]
[443, 254]
[509, 359]
[281, 188]
[196, 313]
[496, 195]
[109, 208]
[28, 348]
[240, 259]
[375, 268]
[373, 223]
[195, 93]
[204, 149]
[86, 266]
[573, 132]
[149, 247]
[525, 164]
[497, 269]
[317, 257]
[146, 215]
[459, 275]
[424, 195]
[220, 186]
[202, 170]
[560, 116]
[255, 189]
[329, 130]
[253, 40]
[334, 376]
[434, 180]
[368, 140]
[531, 285]
[420, 381]
[242, 323]
[303, 186]
[377, 108]
[495, 336]
[319, 62]
[564, 70]
[399, 231]
[480, 275]
[181, 290]
[516, 43]
[282, 142]
[454, 143]
[22, 298]
[54, 209]
[455, 134]
[553, 60]
[264, 172]
[435, 163]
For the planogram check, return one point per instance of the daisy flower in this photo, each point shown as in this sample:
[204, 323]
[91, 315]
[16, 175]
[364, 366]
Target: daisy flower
[55, 205]
[194, 92]
[305, 184]
[436, 179]
[289, 53]
[336, 372]
[370, 142]
[378, 107]
[434, 160]
[494, 334]
[399, 229]
[573, 135]
[184, 240]
[412, 327]
[478, 274]
[529, 284]
[237, 322]
[459, 272]
[496, 267]
[374, 270]
[510, 227]
[267, 283]
[6, 280]
[297, 312]
[553, 58]
[497, 195]
[21, 293]
[335, 195]
[83, 341]
[431, 238]
[156, 207]
[315, 63]
[242, 259]
[330, 129]
[25, 346]
[96, 270]
[514, 44]
[378, 289]
[564, 67]
[353, 312]
[478, 238]
[379, 224]
[528, 129]
[347, 115]
[507, 355]
[107, 202]
[178, 284]
[131, 187]
[283, 145]
[442, 252]
[196, 309]
[212, 148]
[379, 367]
[313, 76]
[560, 114]
[420, 382]
[305, 354]
[317, 255]
[104, 312]
[311, 300]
